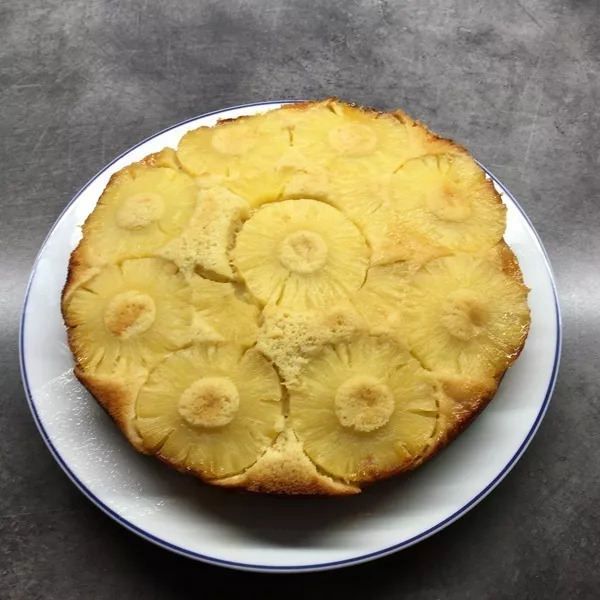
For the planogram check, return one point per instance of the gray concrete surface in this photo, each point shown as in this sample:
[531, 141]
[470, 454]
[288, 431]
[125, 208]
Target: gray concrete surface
[515, 81]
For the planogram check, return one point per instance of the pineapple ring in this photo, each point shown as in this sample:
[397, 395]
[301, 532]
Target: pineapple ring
[210, 409]
[241, 146]
[129, 316]
[351, 256]
[464, 315]
[301, 253]
[331, 130]
[341, 433]
[142, 209]
[447, 200]
[240, 154]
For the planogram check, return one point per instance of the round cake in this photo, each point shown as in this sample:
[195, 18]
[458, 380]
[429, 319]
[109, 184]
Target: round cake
[302, 301]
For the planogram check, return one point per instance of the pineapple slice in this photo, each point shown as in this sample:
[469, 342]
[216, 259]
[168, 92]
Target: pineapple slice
[465, 316]
[240, 153]
[333, 133]
[205, 244]
[300, 254]
[223, 313]
[364, 410]
[142, 208]
[212, 410]
[447, 200]
[129, 316]
[330, 130]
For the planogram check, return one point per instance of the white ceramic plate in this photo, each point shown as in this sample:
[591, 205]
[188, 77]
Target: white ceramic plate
[266, 533]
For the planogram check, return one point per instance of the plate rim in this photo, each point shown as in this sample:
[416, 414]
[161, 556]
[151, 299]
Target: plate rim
[284, 568]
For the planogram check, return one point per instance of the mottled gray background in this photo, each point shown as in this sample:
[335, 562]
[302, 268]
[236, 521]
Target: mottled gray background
[517, 81]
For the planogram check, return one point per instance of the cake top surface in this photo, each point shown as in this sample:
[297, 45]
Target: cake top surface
[305, 300]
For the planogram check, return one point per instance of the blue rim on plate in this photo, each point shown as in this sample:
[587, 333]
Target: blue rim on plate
[286, 568]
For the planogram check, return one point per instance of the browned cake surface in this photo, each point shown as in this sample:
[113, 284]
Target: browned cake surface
[299, 302]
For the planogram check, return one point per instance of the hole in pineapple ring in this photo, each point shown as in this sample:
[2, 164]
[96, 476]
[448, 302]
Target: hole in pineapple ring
[129, 313]
[140, 210]
[209, 402]
[449, 204]
[464, 314]
[303, 252]
[363, 403]
[235, 139]
[353, 140]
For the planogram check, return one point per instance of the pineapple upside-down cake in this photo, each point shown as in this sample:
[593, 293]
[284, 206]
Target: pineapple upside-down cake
[298, 302]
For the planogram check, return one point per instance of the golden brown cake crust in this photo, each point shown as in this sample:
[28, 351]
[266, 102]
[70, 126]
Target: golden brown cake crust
[78, 273]
[290, 326]
[286, 470]
[117, 397]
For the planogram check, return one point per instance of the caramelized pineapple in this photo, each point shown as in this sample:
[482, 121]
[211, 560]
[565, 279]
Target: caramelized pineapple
[129, 315]
[223, 313]
[447, 200]
[364, 410]
[340, 135]
[143, 207]
[331, 130]
[433, 206]
[464, 315]
[300, 254]
[239, 154]
[212, 410]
